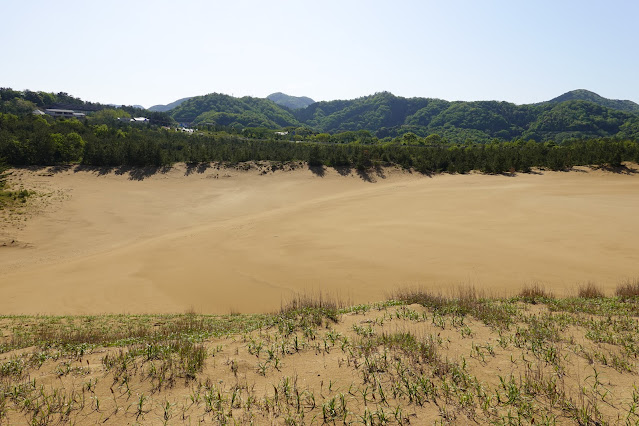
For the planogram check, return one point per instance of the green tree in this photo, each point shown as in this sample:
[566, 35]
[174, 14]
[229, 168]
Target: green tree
[108, 116]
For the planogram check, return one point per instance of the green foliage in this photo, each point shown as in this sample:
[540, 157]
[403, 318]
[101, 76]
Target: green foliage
[429, 135]
[290, 102]
[585, 95]
[108, 116]
[31, 139]
[577, 119]
[576, 115]
[386, 115]
[23, 103]
[224, 110]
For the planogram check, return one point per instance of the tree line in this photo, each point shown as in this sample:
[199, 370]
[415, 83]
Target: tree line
[35, 140]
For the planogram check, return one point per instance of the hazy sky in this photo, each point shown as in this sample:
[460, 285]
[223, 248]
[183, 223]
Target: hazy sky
[152, 52]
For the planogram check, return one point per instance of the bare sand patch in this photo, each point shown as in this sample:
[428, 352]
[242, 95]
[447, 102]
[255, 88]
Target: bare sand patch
[218, 240]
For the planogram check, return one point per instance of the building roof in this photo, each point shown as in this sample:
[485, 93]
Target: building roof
[61, 111]
[76, 107]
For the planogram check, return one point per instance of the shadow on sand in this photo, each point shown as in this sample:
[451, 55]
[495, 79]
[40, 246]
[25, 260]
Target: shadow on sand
[141, 173]
[196, 168]
[343, 170]
[99, 170]
[318, 170]
[621, 170]
[365, 175]
[135, 172]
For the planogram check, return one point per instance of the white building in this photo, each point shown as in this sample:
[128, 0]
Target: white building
[64, 113]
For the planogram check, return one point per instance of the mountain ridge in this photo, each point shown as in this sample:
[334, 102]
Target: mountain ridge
[290, 102]
[169, 106]
[587, 95]
[386, 115]
[577, 114]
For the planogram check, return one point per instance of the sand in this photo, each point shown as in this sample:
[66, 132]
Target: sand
[218, 241]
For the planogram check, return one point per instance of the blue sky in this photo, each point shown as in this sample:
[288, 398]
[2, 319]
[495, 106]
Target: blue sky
[151, 52]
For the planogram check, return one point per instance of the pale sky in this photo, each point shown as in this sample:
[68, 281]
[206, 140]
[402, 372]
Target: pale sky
[154, 52]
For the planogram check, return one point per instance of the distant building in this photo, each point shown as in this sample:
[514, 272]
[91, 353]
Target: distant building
[76, 107]
[38, 112]
[281, 133]
[64, 113]
[136, 120]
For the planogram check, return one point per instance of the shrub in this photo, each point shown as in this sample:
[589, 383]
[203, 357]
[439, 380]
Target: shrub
[590, 291]
[628, 289]
[534, 292]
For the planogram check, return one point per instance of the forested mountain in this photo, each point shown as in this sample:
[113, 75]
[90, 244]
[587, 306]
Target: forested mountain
[428, 135]
[290, 102]
[225, 110]
[387, 115]
[575, 115]
[25, 102]
[168, 107]
[17, 102]
[586, 95]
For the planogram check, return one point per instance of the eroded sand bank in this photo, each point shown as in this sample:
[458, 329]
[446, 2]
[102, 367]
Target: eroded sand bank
[221, 241]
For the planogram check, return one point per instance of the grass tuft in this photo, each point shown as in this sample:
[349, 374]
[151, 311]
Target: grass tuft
[301, 301]
[312, 307]
[534, 293]
[590, 291]
[628, 289]
[466, 302]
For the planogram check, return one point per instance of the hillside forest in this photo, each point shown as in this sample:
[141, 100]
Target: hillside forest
[427, 135]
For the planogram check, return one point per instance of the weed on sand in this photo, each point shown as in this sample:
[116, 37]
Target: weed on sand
[418, 358]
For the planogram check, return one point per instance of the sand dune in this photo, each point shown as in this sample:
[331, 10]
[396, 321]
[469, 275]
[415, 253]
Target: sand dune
[224, 240]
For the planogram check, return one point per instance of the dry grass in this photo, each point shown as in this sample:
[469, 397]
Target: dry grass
[534, 292]
[628, 289]
[590, 290]
[313, 301]
[466, 300]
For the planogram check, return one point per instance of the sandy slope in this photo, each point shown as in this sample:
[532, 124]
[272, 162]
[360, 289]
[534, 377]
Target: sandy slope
[223, 240]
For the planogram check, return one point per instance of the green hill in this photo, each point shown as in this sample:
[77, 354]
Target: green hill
[290, 102]
[225, 110]
[387, 115]
[574, 115]
[586, 95]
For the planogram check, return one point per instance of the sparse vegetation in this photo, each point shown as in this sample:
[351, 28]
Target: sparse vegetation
[8, 196]
[414, 357]
[628, 289]
[590, 290]
[533, 293]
